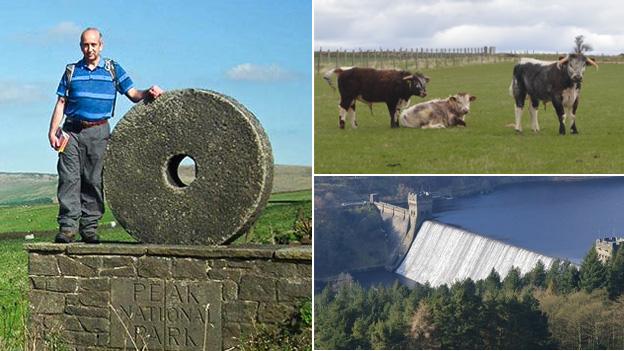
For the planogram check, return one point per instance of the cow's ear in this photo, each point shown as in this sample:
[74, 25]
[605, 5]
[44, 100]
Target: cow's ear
[427, 79]
[472, 98]
[452, 98]
[560, 58]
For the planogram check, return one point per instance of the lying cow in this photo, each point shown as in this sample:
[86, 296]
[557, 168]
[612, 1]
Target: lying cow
[558, 82]
[369, 85]
[439, 113]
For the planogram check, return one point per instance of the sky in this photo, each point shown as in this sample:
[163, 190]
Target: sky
[258, 52]
[508, 25]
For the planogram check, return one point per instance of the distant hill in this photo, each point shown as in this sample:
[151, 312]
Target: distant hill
[39, 188]
[27, 188]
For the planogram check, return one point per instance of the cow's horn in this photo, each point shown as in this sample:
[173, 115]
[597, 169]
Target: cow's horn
[562, 61]
[408, 77]
[592, 62]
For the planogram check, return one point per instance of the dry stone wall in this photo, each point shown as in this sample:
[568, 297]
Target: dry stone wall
[116, 297]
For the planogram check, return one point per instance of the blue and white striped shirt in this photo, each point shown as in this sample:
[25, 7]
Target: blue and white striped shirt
[92, 92]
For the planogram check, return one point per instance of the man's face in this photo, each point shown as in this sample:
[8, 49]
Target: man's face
[91, 45]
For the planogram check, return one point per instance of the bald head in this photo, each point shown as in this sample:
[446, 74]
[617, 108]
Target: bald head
[91, 45]
[92, 33]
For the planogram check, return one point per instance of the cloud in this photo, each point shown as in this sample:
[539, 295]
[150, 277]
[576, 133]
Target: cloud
[62, 32]
[259, 73]
[17, 93]
[507, 24]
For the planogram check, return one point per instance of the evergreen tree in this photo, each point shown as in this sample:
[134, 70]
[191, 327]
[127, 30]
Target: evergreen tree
[537, 276]
[615, 285]
[554, 276]
[593, 274]
[569, 281]
[512, 281]
[466, 309]
[491, 285]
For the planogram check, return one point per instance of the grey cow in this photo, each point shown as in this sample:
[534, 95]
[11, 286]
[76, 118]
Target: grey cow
[439, 113]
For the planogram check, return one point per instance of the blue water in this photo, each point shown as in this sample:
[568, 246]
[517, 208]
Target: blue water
[561, 219]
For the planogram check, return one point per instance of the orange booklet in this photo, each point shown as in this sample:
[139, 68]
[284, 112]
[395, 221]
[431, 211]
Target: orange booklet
[63, 139]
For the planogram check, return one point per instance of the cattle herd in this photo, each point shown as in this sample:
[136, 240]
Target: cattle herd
[557, 82]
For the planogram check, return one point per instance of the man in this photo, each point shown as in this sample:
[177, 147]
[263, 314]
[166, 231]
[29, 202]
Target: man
[86, 96]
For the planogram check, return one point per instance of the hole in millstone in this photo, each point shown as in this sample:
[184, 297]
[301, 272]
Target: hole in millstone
[181, 170]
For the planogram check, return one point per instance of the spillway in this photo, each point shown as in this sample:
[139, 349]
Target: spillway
[442, 254]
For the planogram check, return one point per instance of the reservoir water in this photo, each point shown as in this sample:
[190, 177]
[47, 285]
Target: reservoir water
[561, 219]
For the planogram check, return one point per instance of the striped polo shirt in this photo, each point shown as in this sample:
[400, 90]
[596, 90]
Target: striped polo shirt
[92, 92]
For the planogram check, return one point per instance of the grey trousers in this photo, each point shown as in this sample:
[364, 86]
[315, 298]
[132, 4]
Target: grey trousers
[80, 193]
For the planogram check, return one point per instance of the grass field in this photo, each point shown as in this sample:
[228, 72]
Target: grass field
[486, 145]
[276, 222]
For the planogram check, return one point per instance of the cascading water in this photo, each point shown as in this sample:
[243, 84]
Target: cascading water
[442, 254]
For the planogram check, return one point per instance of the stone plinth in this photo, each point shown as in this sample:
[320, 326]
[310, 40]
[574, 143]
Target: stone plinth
[116, 297]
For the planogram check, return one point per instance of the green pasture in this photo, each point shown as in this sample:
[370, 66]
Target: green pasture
[487, 144]
[275, 224]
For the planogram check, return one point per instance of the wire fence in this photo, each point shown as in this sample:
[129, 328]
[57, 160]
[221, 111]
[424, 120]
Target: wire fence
[425, 58]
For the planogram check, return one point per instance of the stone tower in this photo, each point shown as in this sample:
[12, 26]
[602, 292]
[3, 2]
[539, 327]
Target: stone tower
[412, 202]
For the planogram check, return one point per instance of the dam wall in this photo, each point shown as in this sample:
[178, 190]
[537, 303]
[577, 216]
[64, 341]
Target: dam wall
[443, 254]
[401, 227]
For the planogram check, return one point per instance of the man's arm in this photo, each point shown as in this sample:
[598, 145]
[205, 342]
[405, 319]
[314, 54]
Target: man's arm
[57, 116]
[137, 95]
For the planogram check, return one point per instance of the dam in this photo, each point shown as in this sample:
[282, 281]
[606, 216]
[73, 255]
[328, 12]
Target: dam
[442, 254]
[401, 225]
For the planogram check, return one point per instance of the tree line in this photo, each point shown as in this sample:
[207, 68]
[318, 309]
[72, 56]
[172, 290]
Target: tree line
[559, 307]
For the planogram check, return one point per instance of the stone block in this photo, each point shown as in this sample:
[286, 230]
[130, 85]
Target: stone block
[277, 269]
[257, 288]
[95, 284]
[46, 302]
[74, 310]
[73, 268]
[293, 290]
[103, 339]
[107, 249]
[94, 262]
[271, 312]
[45, 248]
[189, 268]
[38, 282]
[94, 298]
[298, 253]
[117, 261]
[127, 271]
[61, 284]
[225, 273]
[240, 311]
[42, 265]
[230, 290]
[80, 338]
[94, 325]
[154, 267]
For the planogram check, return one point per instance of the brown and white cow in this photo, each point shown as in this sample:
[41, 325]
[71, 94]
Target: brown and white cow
[369, 85]
[439, 113]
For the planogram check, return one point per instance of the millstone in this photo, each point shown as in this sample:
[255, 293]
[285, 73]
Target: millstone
[233, 176]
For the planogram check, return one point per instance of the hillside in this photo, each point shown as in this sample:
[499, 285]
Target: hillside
[38, 188]
[27, 188]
